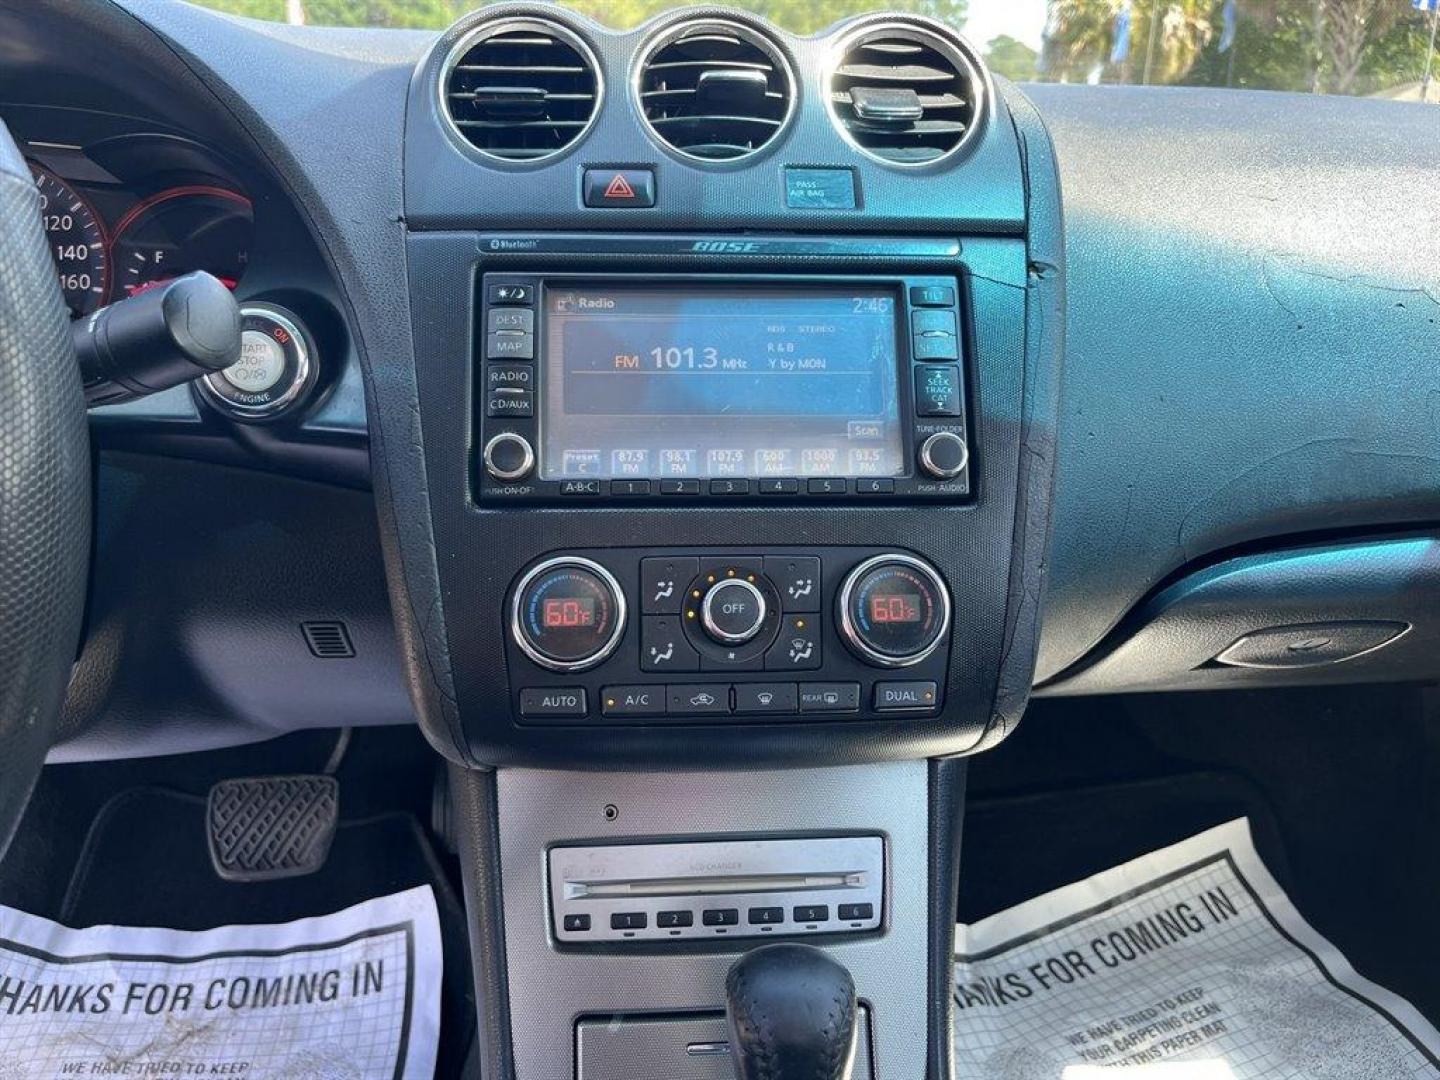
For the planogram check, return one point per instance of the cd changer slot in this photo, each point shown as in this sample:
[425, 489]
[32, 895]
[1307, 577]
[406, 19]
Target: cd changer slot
[716, 886]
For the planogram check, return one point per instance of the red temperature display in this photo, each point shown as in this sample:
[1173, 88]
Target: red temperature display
[895, 608]
[568, 611]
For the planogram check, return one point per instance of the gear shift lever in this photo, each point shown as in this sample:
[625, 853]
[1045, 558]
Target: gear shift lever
[792, 1015]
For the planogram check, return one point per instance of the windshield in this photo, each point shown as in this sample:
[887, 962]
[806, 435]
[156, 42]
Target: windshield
[1380, 48]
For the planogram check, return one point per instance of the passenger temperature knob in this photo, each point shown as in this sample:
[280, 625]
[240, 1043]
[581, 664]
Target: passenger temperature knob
[894, 610]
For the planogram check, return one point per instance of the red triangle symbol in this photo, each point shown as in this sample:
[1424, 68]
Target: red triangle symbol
[619, 188]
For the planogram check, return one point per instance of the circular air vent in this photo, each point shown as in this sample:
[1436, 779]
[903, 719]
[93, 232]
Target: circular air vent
[520, 89]
[714, 90]
[906, 94]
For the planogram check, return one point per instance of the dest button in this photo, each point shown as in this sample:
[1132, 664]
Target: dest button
[619, 187]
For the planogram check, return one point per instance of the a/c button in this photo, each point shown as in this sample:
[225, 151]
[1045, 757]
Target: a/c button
[633, 700]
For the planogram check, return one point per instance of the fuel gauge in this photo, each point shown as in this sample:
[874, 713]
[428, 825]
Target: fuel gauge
[179, 230]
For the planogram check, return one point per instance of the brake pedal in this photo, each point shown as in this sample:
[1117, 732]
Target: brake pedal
[267, 827]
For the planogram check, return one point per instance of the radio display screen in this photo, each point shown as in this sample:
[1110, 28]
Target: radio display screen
[706, 380]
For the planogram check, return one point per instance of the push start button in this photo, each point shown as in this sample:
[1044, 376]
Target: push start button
[633, 188]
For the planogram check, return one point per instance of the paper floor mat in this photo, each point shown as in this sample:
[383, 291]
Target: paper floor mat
[1189, 963]
[355, 995]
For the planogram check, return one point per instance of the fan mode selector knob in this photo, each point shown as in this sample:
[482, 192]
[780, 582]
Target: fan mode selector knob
[944, 455]
[894, 610]
[733, 612]
[509, 457]
[568, 613]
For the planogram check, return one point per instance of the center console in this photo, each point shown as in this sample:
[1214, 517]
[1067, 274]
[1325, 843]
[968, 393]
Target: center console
[730, 539]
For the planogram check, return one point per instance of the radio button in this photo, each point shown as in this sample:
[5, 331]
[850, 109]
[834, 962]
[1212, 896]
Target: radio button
[827, 485]
[944, 455]
[797, 578]
[937, 390]
[514, 318]
[663, 646]
[729, 487]
[679, 487]
[518, 376]
[733, 611]
[509, 345]
[508, 457]
[932, 296]
[798, 646]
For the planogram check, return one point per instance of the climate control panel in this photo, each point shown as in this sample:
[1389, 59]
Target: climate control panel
[635, 636]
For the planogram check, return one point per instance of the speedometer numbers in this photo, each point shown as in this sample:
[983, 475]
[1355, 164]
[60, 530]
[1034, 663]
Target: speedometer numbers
[77, 243]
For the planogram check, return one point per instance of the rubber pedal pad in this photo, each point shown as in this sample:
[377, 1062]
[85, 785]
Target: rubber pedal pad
[263, 828]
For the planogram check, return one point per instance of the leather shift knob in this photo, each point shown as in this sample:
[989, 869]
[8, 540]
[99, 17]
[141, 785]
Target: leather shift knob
[792, 1015]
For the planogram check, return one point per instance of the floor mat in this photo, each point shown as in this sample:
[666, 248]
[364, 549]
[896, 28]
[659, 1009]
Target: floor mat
[1017, 847]
[146, 862]
[353, 994]
[1189, 962]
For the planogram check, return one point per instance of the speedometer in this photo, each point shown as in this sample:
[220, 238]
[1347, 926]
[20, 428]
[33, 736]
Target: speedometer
[77, 243]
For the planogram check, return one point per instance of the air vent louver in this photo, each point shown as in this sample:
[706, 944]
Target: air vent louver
[906, 95]
[521, 89]
[715, 90]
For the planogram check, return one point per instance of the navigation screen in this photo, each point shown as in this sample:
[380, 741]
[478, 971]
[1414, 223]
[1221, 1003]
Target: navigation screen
[718, 381]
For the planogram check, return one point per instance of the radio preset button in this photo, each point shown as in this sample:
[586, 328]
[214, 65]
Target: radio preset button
[874, 485]
[733, 611]
[508, 457]
[679, 487]
[729, 486]
[629, 487]
[777, 485]
[944, 455]
[826, 485]
[937, 390]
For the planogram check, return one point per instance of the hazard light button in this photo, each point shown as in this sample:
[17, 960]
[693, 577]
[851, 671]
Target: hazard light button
[634, 188]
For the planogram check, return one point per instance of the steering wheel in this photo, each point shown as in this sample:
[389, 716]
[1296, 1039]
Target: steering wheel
[44, 491]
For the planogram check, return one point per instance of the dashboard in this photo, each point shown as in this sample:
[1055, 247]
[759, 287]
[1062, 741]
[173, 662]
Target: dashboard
[577, 303]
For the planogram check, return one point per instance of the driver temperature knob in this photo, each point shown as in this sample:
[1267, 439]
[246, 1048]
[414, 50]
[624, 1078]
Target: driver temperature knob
[568, 614]
[894, 610]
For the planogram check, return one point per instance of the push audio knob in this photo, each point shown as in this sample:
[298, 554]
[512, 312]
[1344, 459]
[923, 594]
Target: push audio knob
[509, 457]
[944, 455]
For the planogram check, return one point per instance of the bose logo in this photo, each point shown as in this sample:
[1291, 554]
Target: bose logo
[725, 247]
